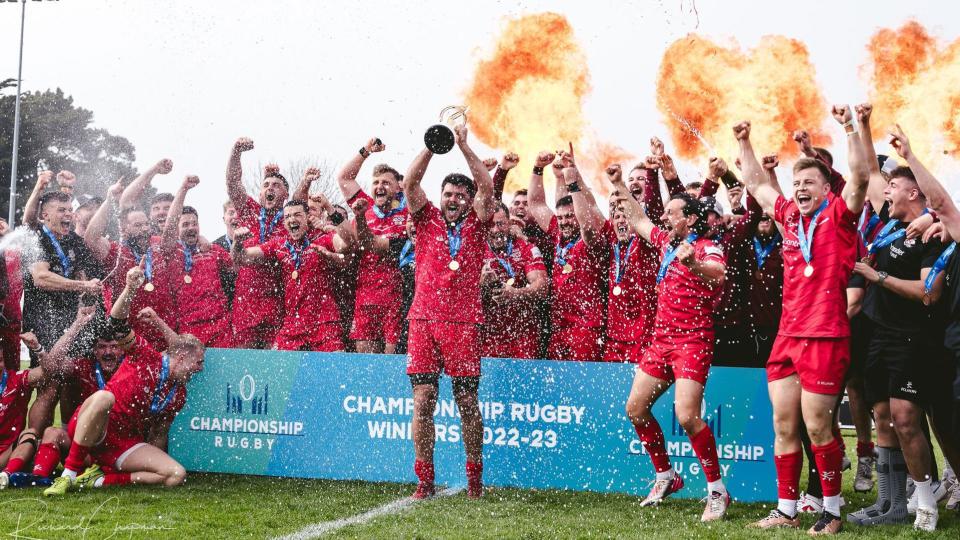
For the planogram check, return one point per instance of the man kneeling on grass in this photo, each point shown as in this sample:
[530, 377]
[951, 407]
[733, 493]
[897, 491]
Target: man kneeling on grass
[139, 403]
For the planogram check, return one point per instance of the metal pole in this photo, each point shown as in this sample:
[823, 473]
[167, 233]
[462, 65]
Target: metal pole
[11, 216]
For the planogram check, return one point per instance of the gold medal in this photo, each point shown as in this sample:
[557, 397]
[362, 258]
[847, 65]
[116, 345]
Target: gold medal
[567, 268]
[187, 279]
[295, 274]
[510, 282]
[808, 271]
[395, 204]
[454, 265]
[617, 291]
[149, 287]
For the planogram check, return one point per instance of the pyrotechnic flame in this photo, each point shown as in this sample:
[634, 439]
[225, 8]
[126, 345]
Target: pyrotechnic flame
[704, 88]
[527, 96]
[916, 83]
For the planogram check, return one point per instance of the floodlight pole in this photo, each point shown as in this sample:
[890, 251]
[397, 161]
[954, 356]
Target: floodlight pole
[11, 216]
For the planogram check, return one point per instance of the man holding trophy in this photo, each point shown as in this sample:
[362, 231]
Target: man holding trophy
[446, 311]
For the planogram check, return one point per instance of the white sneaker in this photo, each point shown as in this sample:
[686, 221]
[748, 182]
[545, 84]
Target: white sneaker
[926, 520]
[953, 503]
[4, 479]
[864, 480]
[808, 504]
[939, 493]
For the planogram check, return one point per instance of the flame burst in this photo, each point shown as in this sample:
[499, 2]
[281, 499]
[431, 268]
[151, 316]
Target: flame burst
[528, 96]
[706, 87]
[916, 83]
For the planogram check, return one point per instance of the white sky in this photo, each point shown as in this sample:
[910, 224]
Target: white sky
[183, 79]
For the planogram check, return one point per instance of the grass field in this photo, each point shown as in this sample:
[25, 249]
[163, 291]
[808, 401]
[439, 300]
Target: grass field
[222, 506]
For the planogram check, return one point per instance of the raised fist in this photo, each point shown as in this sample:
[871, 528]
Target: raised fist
[545, 158]
[558, 169]
[135, 276]
[842, 114]
[686, 255]
[734, 194]
[718, 167]
[270, 169]
[651, 162]
[116, 190]
[241, 233]
[656, 146]
[243, 144]
[460, 133]
[900, 142]
[66, 178]
[360, 206]
[85, 314]
[311, 175]
[770, 161]
[742, 130]
[44, 179]
[164, 166]
[490, 164]
[148, 315]
[864, 110]
[615, 174]
[190, 182]
[375, 145]
[509, 161]
[667, 168]
[567, 157]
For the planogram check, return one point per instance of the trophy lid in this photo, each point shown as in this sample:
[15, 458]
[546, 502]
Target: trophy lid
[439, 139]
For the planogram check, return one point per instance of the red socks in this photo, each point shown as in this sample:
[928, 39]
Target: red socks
[864, 449]
[705, 446]
[652, 438]
[116, 479]
[789, 467]
[76, 458]
[474, 472]
[46, 459]
[424, 471]
[13, 465]
[829, 458]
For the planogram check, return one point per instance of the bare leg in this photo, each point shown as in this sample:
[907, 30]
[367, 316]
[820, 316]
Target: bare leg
[424, 436]
[472, 424]
[785, 398]
[150, 465]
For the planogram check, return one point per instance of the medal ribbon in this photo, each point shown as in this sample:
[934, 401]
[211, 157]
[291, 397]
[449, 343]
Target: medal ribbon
[806, 240]
[938, 267]
[670, 255]
[265, 229]
[296, 253]
[382, 215]
[406, 254]
[148, 267]
[620, 267]
[561, 257]
[64, 260]
[156, 406]
[504, 261]
[187, 256]
[455, 239]
[3, 382]
[99, 373]
[885, 238]
[763, 251]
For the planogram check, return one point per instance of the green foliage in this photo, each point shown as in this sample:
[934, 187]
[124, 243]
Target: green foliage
[58, 134]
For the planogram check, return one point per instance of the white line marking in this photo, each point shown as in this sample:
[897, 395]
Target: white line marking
[319, 529]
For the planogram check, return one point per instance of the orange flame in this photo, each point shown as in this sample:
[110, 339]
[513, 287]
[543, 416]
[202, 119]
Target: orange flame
[593, 162]
[528, 95]
[705, 87]
[916, 83]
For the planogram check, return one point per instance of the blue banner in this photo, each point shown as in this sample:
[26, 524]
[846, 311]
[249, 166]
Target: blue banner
[547, 424]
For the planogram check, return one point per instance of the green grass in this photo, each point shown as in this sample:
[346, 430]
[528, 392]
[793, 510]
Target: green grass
[223, 506]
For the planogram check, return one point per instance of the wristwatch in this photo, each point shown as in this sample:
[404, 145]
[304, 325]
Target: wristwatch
[881, 277]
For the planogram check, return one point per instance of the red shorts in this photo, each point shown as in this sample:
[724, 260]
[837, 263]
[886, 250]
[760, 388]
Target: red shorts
[679, 357]
[524, 346]
[377, 323]
[820, 363]
[576, 343]
[212, 333]
[453, 347]
[247, 338]
[328, 337]
[623, 351]
[117, 443]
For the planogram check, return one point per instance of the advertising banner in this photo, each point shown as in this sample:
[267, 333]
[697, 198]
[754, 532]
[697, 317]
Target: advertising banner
[547, 424]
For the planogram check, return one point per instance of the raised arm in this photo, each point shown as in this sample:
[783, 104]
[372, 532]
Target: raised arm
[54, 363]
[412, 190]
[121, 304]
[509, 161]
[94, 237]
[134, 192]
[877, 182]
[633, 210]
[536, 195]
[171, 228]
[754, 177]
[235, 190]
[151, 317]
[366, 240]
[855, 191]
[659, 159]
[938, 198]
[302, 193]
[585, 207]
[483, 203]
[244, 256]
[32, 209]
[347, 177]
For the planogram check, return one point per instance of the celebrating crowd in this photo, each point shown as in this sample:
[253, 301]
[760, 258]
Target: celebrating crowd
[848, 287]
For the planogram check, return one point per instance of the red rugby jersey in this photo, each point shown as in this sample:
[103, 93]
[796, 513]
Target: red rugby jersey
[514, 318]
[202, 300]
[579, 296]
[121, 259]
[13, 406]
[258, 290]
[134, 386]
[631, 313]
[685, 302]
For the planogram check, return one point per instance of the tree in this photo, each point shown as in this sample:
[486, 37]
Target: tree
[57, 135]
[293, 172]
